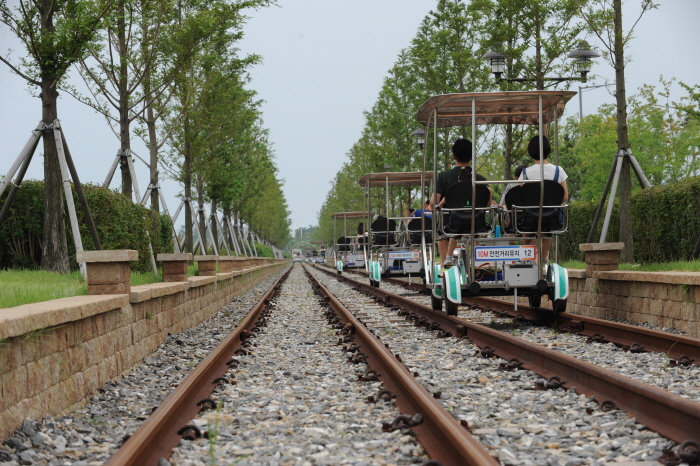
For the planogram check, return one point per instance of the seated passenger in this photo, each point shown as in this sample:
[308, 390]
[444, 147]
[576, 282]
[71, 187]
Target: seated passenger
[518, 170]
[462, 155]
[426, 209]
[551, 172]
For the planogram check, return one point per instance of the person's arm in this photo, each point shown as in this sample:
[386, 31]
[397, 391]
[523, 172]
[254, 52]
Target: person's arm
[566, 191]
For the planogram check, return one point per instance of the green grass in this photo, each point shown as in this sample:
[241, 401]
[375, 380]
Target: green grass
[684, 266]
[33, 286]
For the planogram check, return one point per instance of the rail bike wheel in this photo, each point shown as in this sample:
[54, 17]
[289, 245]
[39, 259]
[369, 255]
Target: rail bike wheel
[435, 303]
[559, 305]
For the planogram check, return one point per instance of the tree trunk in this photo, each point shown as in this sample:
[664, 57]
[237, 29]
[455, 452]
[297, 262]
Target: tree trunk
[508, 153]
[187, 172]
[200, 214]
[123, 100]
[625, 183]
[214, 226]
[54, 255]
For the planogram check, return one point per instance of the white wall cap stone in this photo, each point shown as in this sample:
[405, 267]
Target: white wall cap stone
[206, 258]
[117, 255]
[601, 246]
[176, 256]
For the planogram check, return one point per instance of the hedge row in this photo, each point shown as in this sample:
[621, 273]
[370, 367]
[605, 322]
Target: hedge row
[120, 223]
[665, 223]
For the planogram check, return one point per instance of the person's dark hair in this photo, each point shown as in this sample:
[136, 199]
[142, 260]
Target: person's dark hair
[519, 169]
[361, 229]
[465, 174]
[462, 150]
[533, 147]
[410, 211]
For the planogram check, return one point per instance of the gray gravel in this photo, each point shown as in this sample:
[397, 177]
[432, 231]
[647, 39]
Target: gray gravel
[89, 436]
[650, 368]
[298, 400]
[518, 424]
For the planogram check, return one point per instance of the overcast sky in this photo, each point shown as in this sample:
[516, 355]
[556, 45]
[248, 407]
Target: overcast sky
[323, 65]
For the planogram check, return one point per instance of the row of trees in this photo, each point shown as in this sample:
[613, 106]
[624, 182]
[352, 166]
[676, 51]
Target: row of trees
[536, 35]
[169, 73]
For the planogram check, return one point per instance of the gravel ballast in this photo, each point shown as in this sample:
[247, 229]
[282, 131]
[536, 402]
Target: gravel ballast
[520, 425]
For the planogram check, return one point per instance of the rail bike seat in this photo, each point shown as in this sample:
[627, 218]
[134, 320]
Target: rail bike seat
[526, 207]
[415, 231]
[458, 204]
[344, 244]
[507, 216]
[383, 232]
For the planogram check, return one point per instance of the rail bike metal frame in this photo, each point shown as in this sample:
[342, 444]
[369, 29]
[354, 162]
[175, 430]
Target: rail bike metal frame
[383, 251]
[519, 107]
[340, 258]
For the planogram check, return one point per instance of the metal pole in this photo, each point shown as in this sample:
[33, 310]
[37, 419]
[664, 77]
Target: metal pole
[69, 195]
[638, 170]
[15, 187]
[599, 210]
[580, 104]
[611, 202]
[27, 150]
[113, 169]
[81, 194]
[130, 161]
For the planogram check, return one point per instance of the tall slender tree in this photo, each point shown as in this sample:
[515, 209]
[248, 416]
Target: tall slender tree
[56, 34]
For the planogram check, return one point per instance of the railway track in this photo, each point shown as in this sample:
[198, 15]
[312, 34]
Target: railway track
[681, 349]
[309, 380]
[675, 417]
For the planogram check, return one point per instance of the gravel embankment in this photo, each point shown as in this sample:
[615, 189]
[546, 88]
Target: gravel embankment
[298, 400]
[89, 436]
[519, 424]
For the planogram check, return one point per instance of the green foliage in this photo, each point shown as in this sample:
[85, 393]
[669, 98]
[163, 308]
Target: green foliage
[664, 219]
[263, 250]
[120, 224]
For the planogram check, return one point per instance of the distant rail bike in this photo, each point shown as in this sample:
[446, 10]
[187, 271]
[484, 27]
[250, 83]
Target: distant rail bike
[349, 251]
[397, 244]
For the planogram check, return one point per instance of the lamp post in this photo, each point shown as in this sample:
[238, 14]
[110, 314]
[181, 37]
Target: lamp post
[580, 97]
[420, 137]
[583, 55]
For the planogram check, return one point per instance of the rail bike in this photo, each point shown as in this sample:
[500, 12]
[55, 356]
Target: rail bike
[498, 248]
[349, 251]
[397, 244]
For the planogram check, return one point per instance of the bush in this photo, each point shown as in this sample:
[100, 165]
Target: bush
[264, 250]
[665, 223]
[120, 224]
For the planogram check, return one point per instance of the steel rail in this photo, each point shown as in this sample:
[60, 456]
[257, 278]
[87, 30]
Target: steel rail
[158, 435]
[670, 415]
[682, 349]
[443, 438]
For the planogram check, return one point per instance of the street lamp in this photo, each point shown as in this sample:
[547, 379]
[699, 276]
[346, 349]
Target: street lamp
[420, 137]
[583, 55]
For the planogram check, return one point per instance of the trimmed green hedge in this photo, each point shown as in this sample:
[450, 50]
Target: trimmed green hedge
[665, 223]
[120, 224]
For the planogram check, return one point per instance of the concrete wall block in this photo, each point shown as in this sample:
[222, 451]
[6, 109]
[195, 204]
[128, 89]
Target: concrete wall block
[688, 312]
[107, 273]
[93, 352]
[15, 386]
[91, 379]
[656, 307]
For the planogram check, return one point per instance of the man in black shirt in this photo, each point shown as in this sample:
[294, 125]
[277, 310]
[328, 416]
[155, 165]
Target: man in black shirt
[462, 155]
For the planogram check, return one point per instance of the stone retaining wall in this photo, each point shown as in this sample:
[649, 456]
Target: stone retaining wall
[54, 355]
[666, 299]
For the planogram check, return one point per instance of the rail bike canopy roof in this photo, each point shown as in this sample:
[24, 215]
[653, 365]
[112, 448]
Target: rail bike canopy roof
[352, 215]
[394, 179]
[516, 107]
